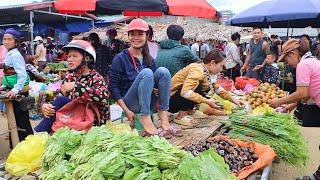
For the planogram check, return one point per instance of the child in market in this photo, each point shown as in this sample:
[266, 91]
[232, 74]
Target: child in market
[46, 73]
[269, 68]
[189, 86]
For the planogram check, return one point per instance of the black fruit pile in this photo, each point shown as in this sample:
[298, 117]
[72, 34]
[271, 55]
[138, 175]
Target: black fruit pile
[236, 157]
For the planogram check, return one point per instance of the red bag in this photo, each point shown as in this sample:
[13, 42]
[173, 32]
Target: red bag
[78, 114]
[241, 82]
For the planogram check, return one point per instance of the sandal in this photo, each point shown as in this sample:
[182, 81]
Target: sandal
[160, 132]
[185, 121]
[175, 131]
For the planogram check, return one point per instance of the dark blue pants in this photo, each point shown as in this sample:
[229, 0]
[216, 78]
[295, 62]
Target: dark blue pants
[46, 123]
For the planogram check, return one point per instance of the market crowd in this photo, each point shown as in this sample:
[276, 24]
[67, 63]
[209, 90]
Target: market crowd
[145, 77]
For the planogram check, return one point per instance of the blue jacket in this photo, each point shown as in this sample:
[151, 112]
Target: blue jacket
[122, 73]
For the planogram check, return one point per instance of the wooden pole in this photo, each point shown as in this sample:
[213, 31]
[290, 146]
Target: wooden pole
[12, 123]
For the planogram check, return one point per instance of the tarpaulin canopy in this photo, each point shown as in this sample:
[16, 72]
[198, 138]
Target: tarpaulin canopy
[75, 6]
[280, 14]
[195, 8]
[134, 5]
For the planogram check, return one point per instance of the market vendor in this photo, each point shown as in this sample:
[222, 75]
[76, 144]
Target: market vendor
[190, 85]
[136, 82]
[308, 81]
[16, 81]
[83, 82]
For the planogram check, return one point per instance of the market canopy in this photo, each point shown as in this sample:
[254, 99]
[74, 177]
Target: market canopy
[75, 6]
[195, 8]
[280, 14]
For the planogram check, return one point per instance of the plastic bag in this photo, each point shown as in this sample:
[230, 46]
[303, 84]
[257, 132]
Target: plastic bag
[26, 156]
[265, 153]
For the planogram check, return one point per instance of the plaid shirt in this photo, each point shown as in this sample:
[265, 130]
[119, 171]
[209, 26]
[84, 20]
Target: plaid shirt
[270, 74]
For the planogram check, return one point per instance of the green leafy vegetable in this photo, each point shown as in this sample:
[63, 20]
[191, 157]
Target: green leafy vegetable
[60, 147]
[208, 166]
[280, 131]
[62, 171]
[100, 154]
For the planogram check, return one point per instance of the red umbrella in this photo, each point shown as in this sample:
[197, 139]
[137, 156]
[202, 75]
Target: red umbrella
[75, 6]
[195, 8]
[142, 13]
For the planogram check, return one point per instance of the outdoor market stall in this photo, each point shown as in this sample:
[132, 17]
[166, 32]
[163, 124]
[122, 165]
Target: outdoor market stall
[253, 140]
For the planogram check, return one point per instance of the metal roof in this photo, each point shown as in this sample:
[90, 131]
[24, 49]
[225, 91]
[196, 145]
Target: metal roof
[24, 5]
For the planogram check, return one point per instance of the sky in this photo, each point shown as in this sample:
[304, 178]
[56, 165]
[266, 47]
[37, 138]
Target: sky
[14, 2]
[235, 5]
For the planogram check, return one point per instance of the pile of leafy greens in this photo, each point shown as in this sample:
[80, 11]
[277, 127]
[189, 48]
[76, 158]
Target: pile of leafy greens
[101, 154]
[206, 167]
[280, 131]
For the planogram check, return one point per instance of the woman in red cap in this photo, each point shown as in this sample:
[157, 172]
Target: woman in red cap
[136, 83]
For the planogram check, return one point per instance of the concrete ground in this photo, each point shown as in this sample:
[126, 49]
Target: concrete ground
[282, 172]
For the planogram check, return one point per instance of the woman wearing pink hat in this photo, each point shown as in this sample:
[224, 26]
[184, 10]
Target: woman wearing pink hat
[296, 54]
[136, 83]
[308, 80]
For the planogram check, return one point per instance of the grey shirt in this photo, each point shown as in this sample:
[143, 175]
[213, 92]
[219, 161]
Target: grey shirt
[257, 54]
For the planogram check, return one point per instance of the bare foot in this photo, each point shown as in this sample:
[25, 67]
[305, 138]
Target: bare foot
[147, 124]
[163, 116]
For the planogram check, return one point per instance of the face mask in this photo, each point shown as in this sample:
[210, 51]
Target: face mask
[37, 43]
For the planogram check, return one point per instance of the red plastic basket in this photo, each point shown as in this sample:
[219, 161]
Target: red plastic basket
[241, 82]
[226, 84]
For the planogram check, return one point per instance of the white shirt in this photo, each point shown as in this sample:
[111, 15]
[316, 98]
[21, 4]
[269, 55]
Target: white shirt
[204, 50]
[195, 49]
[41, 52]
[232, 56]
[153, 49]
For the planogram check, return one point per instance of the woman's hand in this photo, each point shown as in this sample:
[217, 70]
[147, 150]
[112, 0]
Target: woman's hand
[239, 103]
[11, 95]
[131, 116]
[275, 103]
[288, 108]
[67, 87]
[48, 110]
[212, 104]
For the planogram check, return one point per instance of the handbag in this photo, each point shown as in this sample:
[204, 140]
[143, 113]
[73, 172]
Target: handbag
[78, 114]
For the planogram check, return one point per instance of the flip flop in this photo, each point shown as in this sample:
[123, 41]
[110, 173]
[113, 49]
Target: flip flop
[185, 121]
[160, 132]
[175, 130]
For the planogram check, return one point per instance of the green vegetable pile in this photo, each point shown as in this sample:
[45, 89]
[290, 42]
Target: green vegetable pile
[58, 66]
[60, 146]
[280, 131]
[101, 154]
[206, 162]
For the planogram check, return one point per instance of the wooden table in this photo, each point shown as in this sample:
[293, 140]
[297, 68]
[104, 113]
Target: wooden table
[203, 128]
[11, 121]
